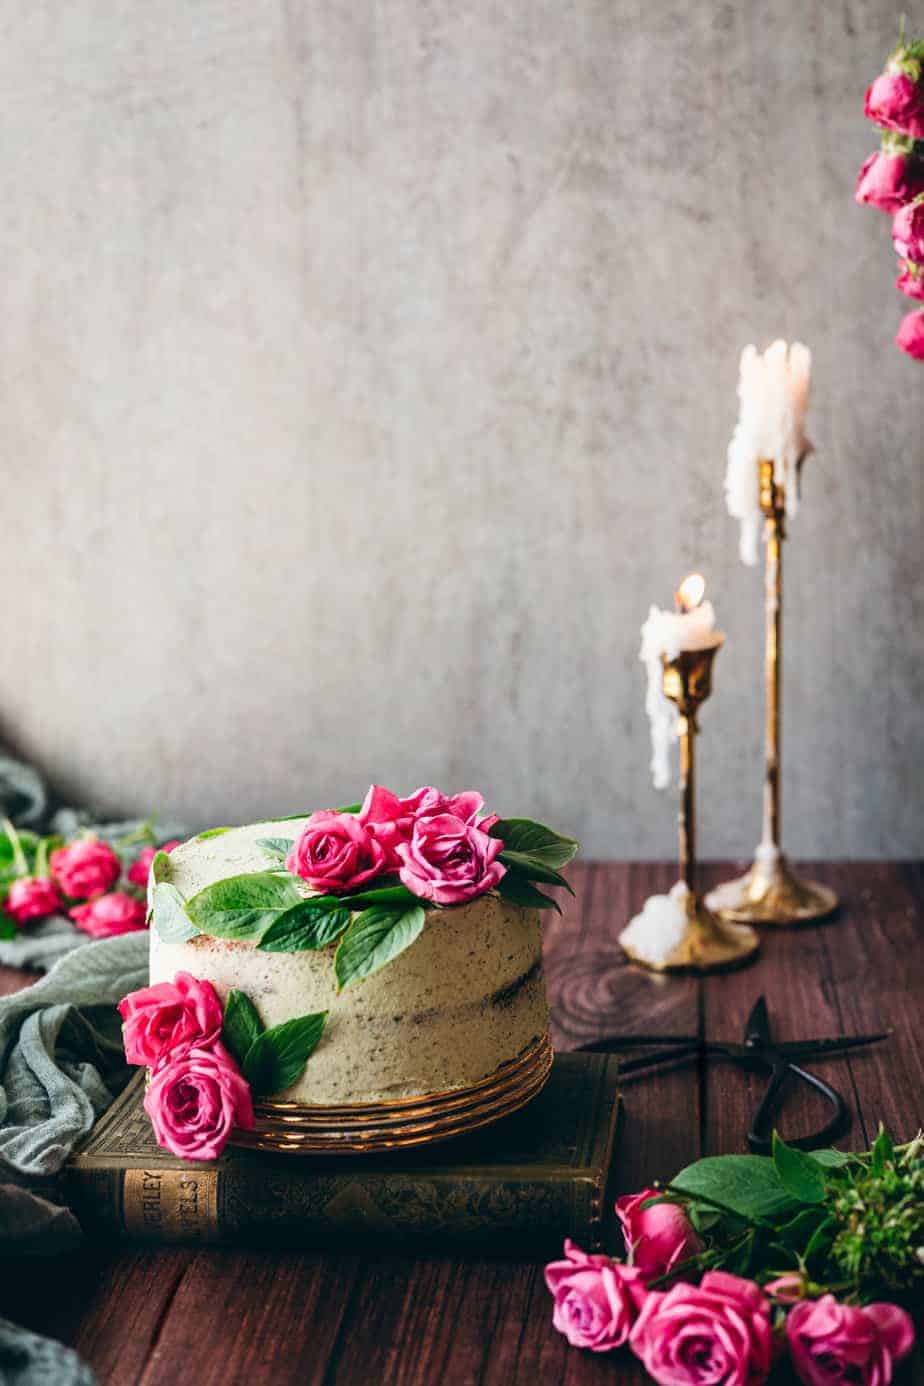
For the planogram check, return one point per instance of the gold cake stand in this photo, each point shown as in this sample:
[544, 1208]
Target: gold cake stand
[298, 1129]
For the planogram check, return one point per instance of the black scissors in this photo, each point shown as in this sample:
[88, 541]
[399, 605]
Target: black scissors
[758, 1053]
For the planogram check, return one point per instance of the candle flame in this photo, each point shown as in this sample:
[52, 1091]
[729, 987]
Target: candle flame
[691, 592]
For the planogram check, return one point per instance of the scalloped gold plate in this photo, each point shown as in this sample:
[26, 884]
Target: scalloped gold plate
[298, 1129]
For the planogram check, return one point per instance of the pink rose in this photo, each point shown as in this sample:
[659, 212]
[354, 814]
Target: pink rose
[32, 897]
[194, 1101]
[157, 1021]
[834, 1344]
[448, 860]
[717, 1331]
[391, 820]
[888, 181]
[107, 915]
[787, 1289]
[85, 868]
[656, 1238]
[596, 1299]
[908, 232]
[910, 335]
[897, 102]
[911, 281]
[140, 869]
[335, 852]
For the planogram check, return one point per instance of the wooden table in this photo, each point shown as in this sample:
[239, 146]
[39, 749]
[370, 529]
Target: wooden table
[216, 1317]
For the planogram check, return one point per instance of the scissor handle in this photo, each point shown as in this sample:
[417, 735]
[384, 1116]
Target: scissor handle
[760, 1136]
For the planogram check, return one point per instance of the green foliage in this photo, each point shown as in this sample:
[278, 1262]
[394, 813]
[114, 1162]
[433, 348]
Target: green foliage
[169, 919]
[242, 907]
[535, 841]
[801, 1176]
[242, 1025]
[278, 847]
[374, 937]
[278, 1056]
[520, 891]
[311, 924]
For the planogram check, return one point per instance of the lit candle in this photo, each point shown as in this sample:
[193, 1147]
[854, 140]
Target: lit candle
[773, 390]
[664, 635]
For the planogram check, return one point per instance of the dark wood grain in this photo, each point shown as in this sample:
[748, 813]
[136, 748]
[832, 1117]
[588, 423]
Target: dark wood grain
[158, 1317]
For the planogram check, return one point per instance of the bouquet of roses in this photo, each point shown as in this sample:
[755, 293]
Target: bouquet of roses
[892, 179]
[99, 885]
[742, 1258]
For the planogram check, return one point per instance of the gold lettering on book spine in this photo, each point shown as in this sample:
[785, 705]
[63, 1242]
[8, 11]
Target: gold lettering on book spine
[172, 1205]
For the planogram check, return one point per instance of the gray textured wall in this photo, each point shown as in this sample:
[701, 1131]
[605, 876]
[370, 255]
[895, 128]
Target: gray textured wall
[366, 371]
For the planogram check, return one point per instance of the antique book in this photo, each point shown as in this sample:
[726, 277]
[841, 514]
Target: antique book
[516, 1188]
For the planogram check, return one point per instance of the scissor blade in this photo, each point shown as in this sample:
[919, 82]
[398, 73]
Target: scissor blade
[805, 1049]
[757, 1029]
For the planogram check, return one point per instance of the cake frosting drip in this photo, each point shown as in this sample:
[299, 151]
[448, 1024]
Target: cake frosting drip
[465, 998]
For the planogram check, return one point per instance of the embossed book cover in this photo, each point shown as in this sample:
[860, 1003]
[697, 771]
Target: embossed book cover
[518, 1187]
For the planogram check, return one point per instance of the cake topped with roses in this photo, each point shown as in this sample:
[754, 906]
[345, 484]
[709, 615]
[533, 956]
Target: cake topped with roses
[379, 952]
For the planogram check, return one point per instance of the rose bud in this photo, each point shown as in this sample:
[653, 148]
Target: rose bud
[896, 101]
[32, 898]
[888, 181]
[85, 868]
[656, 1238]
[910, 335]
[107, 915]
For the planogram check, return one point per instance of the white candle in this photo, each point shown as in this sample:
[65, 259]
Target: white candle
[773, 390]
[667, 633]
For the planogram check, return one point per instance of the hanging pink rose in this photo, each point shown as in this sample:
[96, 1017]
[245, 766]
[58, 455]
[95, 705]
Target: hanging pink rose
[910, 335]
[195, 1100]
[888, 181]
[107, 915]
[656, 1238]
[717, 1331]
[335, 852]
[85, 868]
[911, 280]
[908, 232]
[160, 1020]
[140, 869]
[449, 861]
[835, 1344]
[32, 897]
[391, 820]
[596, 1299]
[896, 101]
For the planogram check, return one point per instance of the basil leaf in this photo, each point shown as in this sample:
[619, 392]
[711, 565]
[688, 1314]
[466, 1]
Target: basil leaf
[799, 1174]
[308, 925]
[518, 891]
[533, 869]
[242, 1025]
[160, 871]
[169, 919]
[211, 832]
[278, 1056]
[276, 846]
[535, 840]
[373, 939]
[748, 1185]
[242, 907]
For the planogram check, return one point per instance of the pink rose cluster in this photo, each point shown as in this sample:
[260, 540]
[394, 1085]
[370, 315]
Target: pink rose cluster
[892, 180]
[437, 844]
[719, 1330]
[80, 883]
[197, 1094]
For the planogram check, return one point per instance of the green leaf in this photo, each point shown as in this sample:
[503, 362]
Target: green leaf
[242, 907]
[349, 808]
[832, 1159]
[242, 1025]
[160, 871]
[276, 846]
[278, 1056]
[883, 1151]
[799, 1174]
[312, 924]
[373, 939]
[381, 895]
[169, 919]
[747, 1185]
[519, 892]
[525, 865]
[820, 1241]
[211, 832]
[7, 925]
[535, 840]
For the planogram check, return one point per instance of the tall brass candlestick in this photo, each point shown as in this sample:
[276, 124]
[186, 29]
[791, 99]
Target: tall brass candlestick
[771, 892]
[708, 943]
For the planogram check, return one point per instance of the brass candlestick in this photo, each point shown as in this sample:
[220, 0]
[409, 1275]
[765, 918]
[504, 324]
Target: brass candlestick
[771, 893]
[708, 943]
